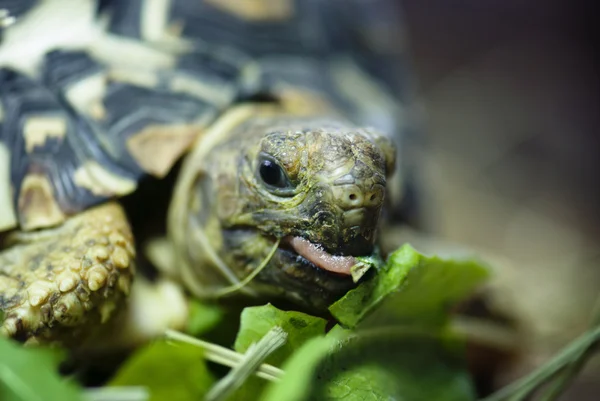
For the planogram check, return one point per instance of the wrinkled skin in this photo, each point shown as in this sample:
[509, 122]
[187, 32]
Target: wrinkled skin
[325, 181]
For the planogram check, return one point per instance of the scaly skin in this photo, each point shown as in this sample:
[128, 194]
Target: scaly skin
[57, 284]
[224, 219]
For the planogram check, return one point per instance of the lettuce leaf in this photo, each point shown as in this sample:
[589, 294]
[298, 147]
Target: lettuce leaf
[417, 289]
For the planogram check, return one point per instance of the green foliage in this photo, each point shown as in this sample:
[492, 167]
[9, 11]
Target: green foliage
[375, 366]
[202, 318]
[417, 360]
[365, 263]
[299, 369]
[28, 374]
[256, 322]
[174, 372]
[417, 289]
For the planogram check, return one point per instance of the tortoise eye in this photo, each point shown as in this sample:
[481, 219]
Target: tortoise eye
[273, 175]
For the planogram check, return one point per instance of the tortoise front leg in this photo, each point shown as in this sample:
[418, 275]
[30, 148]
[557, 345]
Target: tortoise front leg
[56, 285]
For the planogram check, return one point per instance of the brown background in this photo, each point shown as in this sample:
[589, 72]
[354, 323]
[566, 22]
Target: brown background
[511, 106]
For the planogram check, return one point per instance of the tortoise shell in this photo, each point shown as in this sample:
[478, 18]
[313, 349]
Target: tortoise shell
[80, 126]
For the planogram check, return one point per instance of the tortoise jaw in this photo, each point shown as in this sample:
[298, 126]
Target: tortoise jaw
[316, 255]
[288, 275]
[307, 282]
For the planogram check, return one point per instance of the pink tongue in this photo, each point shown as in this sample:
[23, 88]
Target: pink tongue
[316, 255]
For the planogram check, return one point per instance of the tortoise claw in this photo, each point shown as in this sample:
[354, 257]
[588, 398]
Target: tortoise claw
[55, 288]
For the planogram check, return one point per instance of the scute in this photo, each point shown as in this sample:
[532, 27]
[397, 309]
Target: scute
[92, 134]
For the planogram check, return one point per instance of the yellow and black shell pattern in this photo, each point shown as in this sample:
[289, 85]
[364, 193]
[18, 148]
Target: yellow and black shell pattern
[85, 132]
[86, 125]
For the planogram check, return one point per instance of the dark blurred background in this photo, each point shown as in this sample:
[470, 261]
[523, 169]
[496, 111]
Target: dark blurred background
[510, 100]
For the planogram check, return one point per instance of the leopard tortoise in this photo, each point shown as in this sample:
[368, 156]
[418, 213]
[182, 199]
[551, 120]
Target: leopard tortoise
[263, 137]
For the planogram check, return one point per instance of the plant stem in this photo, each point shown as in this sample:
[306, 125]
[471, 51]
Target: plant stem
[521, 388]
[253, 358]
[225, 356]
[559, 385]
[236, 287]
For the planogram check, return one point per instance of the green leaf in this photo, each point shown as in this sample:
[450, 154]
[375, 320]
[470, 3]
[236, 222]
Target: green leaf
[364, 264]
[418, 289]
[376, 366]
[256, 322]
[30, 374]
[299, 371]
[202, 318]
[174, 372]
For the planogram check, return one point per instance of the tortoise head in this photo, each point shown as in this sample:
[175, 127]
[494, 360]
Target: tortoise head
[308, 192]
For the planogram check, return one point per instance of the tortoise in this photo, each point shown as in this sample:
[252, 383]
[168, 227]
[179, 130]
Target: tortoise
[266, 138]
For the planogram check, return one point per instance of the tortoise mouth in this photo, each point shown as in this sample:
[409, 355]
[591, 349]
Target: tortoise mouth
[317, 256]
[300, 271]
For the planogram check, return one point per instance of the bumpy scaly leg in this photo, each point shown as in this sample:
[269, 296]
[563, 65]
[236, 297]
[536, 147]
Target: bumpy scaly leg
[56, 285]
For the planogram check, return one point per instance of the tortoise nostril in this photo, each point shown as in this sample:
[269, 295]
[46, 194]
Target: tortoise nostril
[353, 196]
